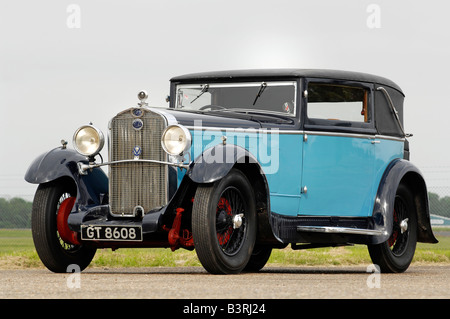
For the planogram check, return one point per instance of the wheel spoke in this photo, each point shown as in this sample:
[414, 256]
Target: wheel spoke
[68, 247]
[231, 204]
[399, 238]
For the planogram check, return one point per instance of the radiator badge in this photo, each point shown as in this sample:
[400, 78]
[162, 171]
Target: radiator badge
[137, 124]
[137, 152]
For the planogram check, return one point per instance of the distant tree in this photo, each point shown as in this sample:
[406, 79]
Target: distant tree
[439, 206]
[15, 213]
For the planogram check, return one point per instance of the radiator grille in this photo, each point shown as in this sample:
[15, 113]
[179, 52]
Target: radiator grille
[136, 183]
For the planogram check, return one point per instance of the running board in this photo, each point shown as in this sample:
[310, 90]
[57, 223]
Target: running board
[340, 230]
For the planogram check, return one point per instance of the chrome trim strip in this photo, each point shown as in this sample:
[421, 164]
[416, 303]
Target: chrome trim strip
[82, 168]
[357, 135]
[341, 230]
[390, 138]
[239, 84]
[338, 134]
[294, 132]
[240, 130]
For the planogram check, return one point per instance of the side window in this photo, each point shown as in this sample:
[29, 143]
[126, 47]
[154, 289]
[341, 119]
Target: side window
[337, 103]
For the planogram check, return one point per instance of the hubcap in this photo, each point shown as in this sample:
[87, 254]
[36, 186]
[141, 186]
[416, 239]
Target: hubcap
[398, 242]
[237, 221]
[404, 225]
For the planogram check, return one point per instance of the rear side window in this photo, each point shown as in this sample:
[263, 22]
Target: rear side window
[338, 104]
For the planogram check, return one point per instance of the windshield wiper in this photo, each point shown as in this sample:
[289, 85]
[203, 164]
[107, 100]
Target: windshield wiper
[204, 89]
[261, 90]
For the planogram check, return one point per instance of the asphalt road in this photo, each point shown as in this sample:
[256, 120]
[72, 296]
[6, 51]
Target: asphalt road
[420, 281]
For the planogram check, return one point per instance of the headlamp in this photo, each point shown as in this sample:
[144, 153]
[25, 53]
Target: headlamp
[176, 139]
[88, 140]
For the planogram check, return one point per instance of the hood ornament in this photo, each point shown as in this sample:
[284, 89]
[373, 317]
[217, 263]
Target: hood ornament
[142, 96]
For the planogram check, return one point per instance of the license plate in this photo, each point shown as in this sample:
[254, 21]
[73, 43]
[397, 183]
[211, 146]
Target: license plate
[117, 233]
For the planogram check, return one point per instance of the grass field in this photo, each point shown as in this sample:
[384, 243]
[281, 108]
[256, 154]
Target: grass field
[17, 251]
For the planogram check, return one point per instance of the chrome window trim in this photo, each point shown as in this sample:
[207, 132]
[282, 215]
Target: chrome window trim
[391, 104]
[245, 84]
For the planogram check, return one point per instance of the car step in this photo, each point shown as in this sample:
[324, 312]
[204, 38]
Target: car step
[340, 230]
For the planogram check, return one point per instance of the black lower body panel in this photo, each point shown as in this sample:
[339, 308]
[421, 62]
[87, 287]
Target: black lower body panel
[286, 229]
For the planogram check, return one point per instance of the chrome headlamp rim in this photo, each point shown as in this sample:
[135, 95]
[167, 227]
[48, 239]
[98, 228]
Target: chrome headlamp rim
[187, 135]
[101, 140]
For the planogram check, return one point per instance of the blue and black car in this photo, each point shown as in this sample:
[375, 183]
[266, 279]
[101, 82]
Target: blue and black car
[240, 163]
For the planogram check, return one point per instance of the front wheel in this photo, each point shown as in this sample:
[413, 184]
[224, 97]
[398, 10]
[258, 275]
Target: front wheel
[396, 254]
[224, 224]
[51, 206]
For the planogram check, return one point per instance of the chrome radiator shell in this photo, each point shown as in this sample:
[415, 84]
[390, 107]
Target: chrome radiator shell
[137, 184]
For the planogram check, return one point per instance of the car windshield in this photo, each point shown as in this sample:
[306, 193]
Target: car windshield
[258, 97]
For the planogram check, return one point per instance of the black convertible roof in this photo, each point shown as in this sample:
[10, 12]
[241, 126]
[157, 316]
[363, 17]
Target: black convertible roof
[284, 73]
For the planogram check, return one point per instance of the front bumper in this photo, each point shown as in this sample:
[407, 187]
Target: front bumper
[101, 215]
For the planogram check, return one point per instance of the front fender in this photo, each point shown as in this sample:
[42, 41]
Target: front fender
[63, 163]
[215, 163]
[401, 171]
[57, 163]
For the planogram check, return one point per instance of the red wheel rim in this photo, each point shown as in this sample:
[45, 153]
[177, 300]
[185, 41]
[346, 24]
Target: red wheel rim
[65, 233]
[224, 208]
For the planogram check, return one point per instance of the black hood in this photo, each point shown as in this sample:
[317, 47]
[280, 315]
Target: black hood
[225, 119]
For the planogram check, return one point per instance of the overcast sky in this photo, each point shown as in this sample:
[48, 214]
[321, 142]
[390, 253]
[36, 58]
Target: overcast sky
[66, 63]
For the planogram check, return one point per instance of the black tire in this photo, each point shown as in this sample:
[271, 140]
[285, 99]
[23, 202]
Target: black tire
[221, 247]
[395, 254]
[54, 253]
[258, 259]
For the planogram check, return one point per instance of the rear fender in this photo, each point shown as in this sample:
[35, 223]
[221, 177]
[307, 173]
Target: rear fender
[401, 171]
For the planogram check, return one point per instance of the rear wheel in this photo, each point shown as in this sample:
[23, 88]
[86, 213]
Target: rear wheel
[55, 244]
[259, 258]
[395, 255]
[224, 224]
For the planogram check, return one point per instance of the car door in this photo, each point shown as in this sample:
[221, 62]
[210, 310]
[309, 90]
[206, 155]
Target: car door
[338, 150]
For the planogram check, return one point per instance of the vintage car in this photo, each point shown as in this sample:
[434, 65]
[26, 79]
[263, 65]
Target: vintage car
[242, 162]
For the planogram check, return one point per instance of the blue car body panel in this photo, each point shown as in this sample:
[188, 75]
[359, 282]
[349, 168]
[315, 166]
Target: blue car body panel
[282, 168]
[341, 173]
